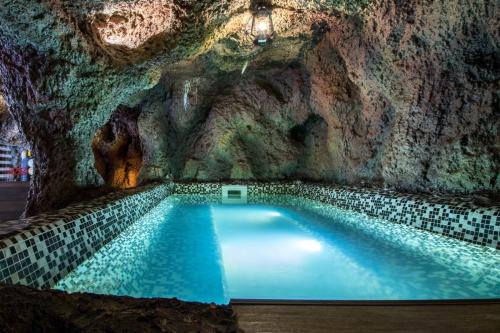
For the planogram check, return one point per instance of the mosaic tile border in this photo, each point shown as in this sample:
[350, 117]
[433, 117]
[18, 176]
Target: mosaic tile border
[47, 247]
[39, 251]
[124, 258]
[110, 270]
[453, 218]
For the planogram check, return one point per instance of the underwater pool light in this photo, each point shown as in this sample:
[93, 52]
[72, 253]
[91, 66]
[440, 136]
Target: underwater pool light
[311, 245]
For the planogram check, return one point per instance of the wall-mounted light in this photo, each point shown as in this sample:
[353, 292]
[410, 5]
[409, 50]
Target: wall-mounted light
[262, 28]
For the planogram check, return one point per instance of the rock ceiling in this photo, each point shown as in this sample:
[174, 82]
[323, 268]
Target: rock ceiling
[384, 92]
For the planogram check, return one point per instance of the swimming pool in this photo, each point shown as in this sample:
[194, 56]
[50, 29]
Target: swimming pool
[288, 249]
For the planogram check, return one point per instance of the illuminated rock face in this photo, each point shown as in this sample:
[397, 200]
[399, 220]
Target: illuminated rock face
[3, 109]
[400, 94]
[131, 24]
[378, 102]
[117, 149]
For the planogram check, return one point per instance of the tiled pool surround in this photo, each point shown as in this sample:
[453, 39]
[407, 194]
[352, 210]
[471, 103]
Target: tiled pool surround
[40, 250]
[452, 218]
[53, 245]
[173, 255]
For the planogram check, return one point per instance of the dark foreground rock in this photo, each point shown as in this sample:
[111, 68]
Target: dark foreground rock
[23, 309]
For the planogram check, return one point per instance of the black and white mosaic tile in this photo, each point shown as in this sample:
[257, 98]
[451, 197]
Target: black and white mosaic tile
[39, 251]
[453, 218]
[50, 246]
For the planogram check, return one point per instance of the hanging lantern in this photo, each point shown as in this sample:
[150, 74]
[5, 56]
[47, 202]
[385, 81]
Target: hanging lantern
[262, 25]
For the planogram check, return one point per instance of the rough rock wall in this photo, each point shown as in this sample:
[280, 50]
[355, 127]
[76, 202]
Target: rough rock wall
[4, 117]
[9, 130]
[63, 78]
[273, 124]
[404, 95]
[3, 107]
[436, 63]
[386, 92]
[22, 309]
[117, 149]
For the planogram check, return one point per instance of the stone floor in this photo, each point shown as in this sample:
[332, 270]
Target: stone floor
[12, 200]
[448, 318]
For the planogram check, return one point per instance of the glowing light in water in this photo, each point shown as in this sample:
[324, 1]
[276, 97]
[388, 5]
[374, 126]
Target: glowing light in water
[311, 245]
[255, 216]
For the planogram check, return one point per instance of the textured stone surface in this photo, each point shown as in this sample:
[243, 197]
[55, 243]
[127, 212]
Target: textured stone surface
[3, 109]
[124, 23]
[27, 310]
[9, 131]
[401, 95]
[117, 149]
[394, 93]
[7, 124]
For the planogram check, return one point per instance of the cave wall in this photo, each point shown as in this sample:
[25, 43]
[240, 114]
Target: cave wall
[117, 149]
[404, 96]
[63, 79]
[268, 124]
[436, 62]
[391, 93]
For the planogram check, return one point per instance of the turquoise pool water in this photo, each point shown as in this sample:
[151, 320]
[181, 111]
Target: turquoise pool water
[303, 250]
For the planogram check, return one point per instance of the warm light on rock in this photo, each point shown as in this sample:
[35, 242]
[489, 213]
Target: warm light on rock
[117, 150]
[3, 108]
[131, 24]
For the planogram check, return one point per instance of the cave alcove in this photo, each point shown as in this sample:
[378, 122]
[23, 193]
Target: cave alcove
[117, 149]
